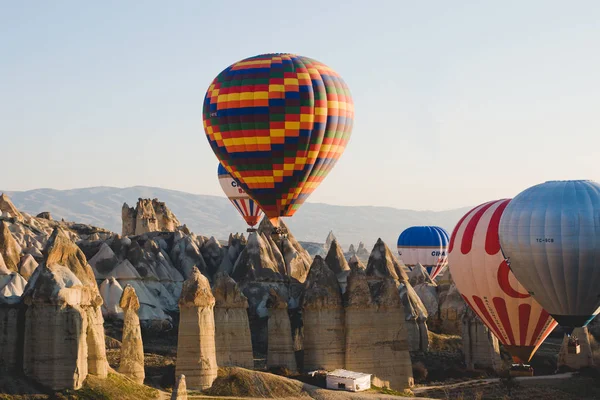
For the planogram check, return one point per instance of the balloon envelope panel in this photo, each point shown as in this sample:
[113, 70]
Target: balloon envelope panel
[278, 123]
[551, 235]
[247, 207]
[485, 281]
[425, 245]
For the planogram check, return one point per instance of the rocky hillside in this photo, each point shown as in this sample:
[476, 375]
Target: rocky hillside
[101, 206]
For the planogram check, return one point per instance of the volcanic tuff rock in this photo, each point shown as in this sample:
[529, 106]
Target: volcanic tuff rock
[180, 389]
[186, 255]
[45, 215]
[11, 286]
[383, 263]
[213, 254]
[376, 338]
[148, 216]
[11, 289]
[480, 347]
[232, 329]
[9, 248]
[330, 238]
[419, 275]
[356, 264]
[111, 292]
[451, 308]
[8, 208]
[362, 253]
[64, 333]
[230, 256]
[416, 318]
[256, 262]
[59, 322]
[27, 265]
[280, 351]
[196, 353]
[577, 361]
[297, 260]
[337, 263]
[426, 289]
[323, 319]
[132, 348]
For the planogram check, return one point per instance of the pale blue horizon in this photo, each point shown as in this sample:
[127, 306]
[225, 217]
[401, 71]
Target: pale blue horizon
[457, 103]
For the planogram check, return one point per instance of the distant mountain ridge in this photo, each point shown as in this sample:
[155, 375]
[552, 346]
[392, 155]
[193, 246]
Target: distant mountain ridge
[215, 216]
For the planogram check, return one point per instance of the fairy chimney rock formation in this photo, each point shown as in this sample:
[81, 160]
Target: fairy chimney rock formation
[330, 238]
[180, 389]
[419, 275]
[132, 348]
[585, 358]
[480, 347]
[256, 262]
[8, 208]
[64, 332]
[382, 263]
[9, 248]
[323, 318]
[232, 329]
[376, 338]
[297, 260]
[280, 347]
[147, 216]
[356, 264]
[337, 263]
[196, 353]
[362, 252]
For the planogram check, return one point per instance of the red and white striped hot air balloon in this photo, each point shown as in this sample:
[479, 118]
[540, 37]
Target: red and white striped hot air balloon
[489, 287]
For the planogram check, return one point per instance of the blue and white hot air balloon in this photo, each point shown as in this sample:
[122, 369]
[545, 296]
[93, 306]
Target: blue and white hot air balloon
[247, 207]
[550, 234]
[425, 245]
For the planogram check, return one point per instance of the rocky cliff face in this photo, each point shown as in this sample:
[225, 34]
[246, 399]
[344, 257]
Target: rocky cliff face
[148, 216]
[452, 307]
[280, 351]
[232, 328]
[11, 289]
[323, 319]
[480, 347]
[376, 337]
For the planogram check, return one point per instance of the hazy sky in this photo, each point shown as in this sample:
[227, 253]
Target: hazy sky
[457, 102]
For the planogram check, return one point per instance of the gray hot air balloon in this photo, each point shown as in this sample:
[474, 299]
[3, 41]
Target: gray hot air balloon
[550, 234]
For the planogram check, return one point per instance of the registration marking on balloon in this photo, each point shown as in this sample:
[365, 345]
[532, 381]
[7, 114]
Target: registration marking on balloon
[488, 286]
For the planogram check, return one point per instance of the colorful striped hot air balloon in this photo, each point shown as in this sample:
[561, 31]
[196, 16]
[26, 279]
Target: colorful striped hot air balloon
[247, 207]
[278, 123]
[425, 245]
[487, 285]
[550, 234]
